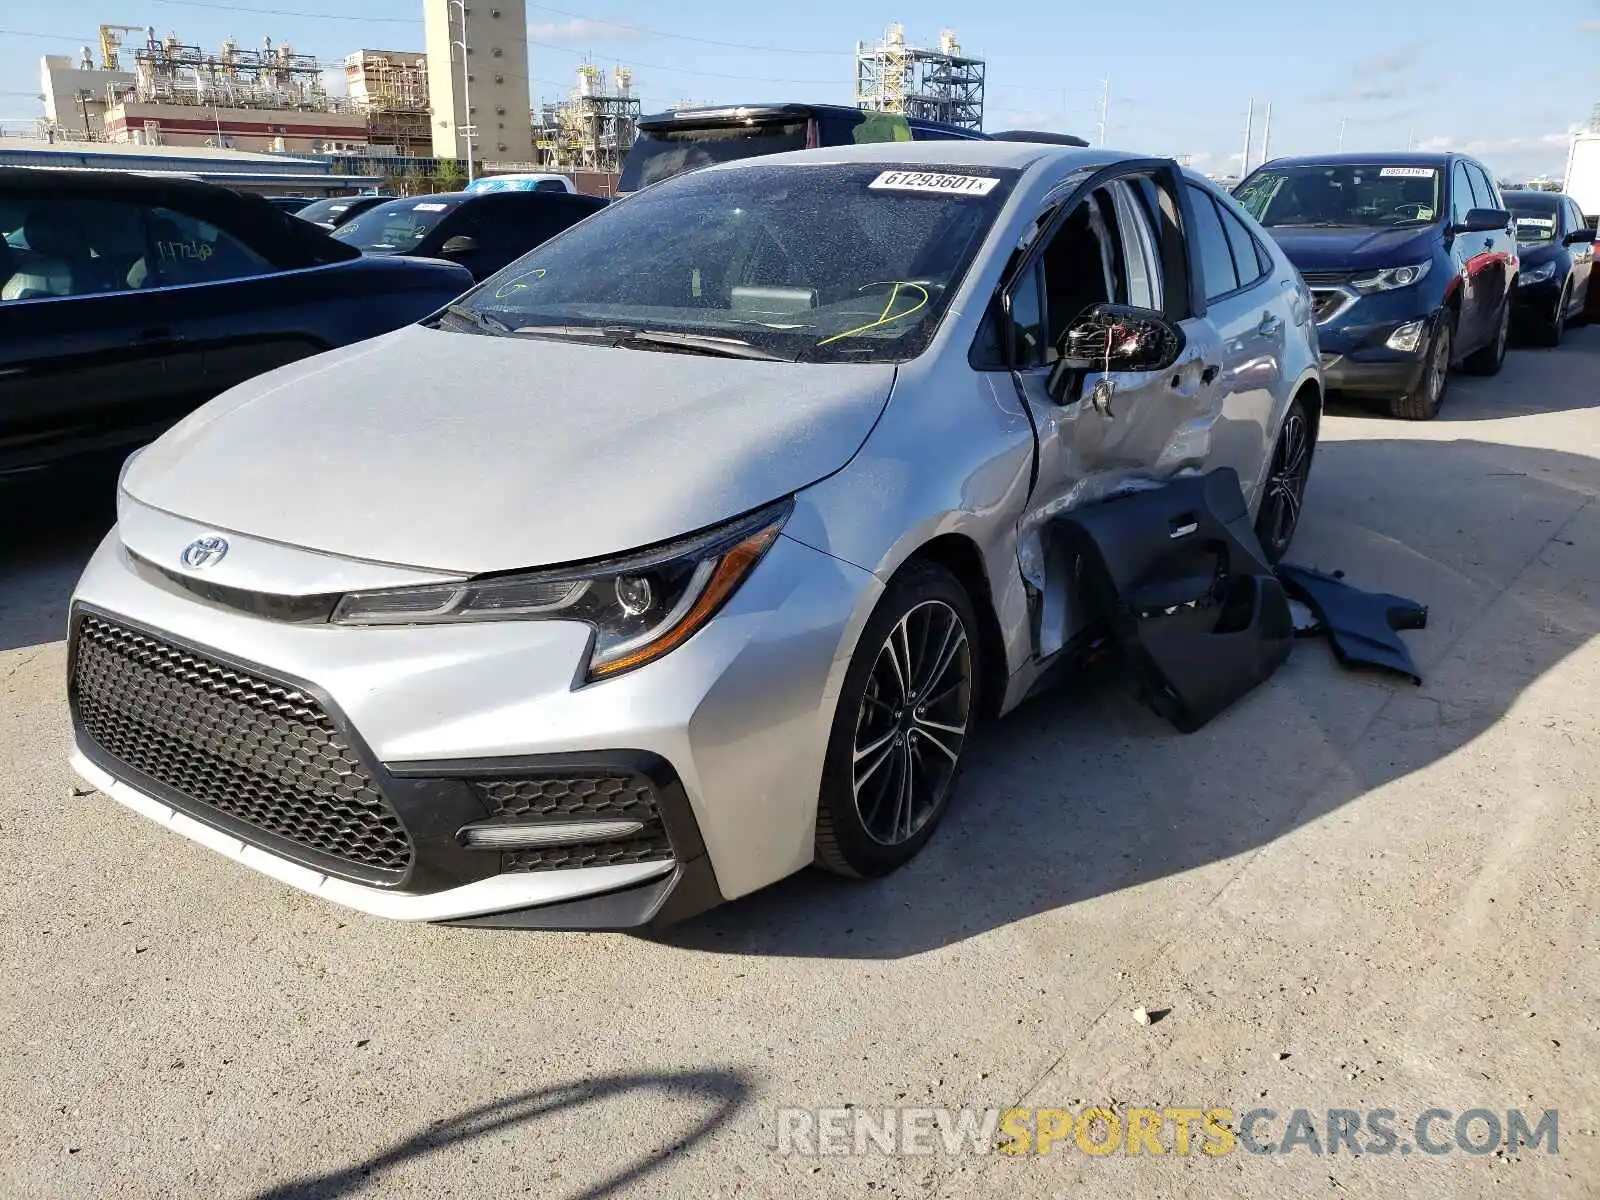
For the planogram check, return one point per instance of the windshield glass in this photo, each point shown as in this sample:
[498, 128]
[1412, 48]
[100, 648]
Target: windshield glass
[327, 210]
[395, 227]
[1535, 222]
[826, 263]
[659, 154]
[1381, 196]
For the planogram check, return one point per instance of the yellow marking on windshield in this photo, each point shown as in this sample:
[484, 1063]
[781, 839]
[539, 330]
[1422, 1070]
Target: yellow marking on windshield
[515, 284]
[885, 317]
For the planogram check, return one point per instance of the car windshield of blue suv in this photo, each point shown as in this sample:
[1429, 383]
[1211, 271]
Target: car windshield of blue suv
[816, 263]
[1382, 196]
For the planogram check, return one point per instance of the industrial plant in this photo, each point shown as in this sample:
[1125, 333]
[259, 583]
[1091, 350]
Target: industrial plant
[936, 85]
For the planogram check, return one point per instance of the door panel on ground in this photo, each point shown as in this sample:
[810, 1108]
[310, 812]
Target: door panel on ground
[1252, 319]
[1110, 430]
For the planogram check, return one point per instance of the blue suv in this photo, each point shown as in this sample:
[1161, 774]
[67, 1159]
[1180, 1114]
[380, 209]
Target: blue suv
[1411, 260]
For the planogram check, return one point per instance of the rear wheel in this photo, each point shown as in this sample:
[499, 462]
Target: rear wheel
[1279, 515]
[1554, 325]
[1492, 357]
[1422, 402]
[906, 709]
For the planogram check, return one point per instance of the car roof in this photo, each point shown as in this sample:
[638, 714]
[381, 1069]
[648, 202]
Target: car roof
[123, 183]
[975, 153]
[1386, 158]
[1535, 196]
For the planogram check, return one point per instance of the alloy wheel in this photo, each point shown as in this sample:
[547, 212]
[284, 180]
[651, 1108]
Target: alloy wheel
[1439, 366]
[912, 723]
[1286, 484]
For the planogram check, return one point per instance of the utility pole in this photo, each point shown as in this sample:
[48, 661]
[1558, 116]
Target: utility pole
[1411, 138]
[1249, 123]
[1340, 145]
[1266, 135]
[1105, 110]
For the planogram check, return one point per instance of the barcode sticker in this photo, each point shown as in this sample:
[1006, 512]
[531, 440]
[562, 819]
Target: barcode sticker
[430, 207]
[934, 181]
[1407, 173]
[1537, 222]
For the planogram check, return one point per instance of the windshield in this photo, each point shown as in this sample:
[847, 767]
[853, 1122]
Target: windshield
[395, 227]
[834, 263]
[1535, 222]
[1381, 196]
[659, 154]
[326, 210]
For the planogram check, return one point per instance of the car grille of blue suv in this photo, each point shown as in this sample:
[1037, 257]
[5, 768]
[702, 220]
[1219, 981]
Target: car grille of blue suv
[213, 736]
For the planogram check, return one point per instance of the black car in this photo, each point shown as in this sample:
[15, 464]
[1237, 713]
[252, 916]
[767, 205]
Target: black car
[128, 300]
[288, 204]
[1556, 247]
[1411, 261]
[335, 211]
[483, 231]
[673, 142]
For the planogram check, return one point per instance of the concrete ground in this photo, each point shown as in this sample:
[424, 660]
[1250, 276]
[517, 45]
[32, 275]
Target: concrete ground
[1347, 892]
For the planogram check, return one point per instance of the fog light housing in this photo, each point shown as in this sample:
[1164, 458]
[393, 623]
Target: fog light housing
[1408, 337]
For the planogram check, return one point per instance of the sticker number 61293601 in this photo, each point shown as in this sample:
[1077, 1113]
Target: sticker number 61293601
[934, 181]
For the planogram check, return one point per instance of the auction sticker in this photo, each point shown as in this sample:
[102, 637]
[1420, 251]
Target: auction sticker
[934, 181]
[1537, 222]
[430, 207]
[1407, 173]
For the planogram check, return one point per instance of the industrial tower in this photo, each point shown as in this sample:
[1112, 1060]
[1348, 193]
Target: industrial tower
[937, 85]
[478, 79]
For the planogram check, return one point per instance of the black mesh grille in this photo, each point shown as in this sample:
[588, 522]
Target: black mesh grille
[1324, 278]
[1327, 303]
[258, 751]
[573, 798]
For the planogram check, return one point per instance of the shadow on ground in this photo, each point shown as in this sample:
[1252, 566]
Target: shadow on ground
[1083, 792]
[48, 529]
[714, 1097]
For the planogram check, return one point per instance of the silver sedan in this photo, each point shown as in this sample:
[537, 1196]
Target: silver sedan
[686, 551]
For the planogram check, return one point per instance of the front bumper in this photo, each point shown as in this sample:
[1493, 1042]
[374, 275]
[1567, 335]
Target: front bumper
[730, 730]
[1356, 357]
[1534, 304]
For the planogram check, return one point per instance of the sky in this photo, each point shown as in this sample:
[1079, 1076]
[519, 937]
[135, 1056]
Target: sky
[1182, 75]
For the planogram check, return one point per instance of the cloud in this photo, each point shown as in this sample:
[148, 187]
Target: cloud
[583, 29]
[1527, 144]
[1391, 62]
[1590, 26]
[1376, 78]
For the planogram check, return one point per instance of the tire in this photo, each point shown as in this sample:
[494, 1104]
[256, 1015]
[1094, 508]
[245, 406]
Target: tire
[1284, 495]
[1489, 359]
[1422, 402]
[866, 826]
[1551, 329]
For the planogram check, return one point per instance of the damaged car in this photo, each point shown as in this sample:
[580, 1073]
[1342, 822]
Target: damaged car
[687, 551]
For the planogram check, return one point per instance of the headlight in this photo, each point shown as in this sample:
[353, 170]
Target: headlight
[1537, 274]
[1390, 279]
[640, 605]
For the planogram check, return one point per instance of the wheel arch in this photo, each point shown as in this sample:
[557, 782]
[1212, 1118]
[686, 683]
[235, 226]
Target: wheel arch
[959, 555]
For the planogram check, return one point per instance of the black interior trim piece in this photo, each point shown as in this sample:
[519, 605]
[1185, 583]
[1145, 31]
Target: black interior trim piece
[1360, 626]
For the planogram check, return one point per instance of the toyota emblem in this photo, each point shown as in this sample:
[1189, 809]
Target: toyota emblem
[204, 552]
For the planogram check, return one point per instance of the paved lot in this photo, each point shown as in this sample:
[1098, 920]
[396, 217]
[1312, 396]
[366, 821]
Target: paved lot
[1349, 893]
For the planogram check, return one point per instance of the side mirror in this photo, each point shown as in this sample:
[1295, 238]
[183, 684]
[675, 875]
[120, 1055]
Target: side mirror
[1112, 338]
[1483, 220]
[460, 244]
[1577, 236]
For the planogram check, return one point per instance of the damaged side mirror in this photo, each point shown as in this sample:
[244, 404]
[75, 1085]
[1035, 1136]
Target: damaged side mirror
[1112, 338]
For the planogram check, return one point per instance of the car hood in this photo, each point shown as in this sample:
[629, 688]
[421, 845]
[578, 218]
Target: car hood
[467, 453]
[1350, 249]
[1536, 254]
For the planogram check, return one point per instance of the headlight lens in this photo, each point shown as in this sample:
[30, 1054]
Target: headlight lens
[1390, 279]
[641, 606]
[1537, 274]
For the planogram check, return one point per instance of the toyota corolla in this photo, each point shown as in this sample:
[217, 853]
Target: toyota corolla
[686, 551]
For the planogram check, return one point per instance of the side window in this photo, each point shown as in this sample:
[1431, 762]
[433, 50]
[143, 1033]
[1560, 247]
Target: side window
[1140, 249]
[1488, 193]
[1461, 198]
[1575, 219]
[1210, 247]
[55, 246]
[1246, 264]
[1084, 264]
[550, 185]
[1027, 319]
[185, 249]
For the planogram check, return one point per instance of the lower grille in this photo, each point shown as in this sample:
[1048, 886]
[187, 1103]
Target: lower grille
[254, 750]
[1329, 303]
[579, 798]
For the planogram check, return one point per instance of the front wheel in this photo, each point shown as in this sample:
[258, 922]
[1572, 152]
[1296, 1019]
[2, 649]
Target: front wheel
[1492, 357]
[904, 715]
[1422, 402]
[1554, 326]
[1281, 502]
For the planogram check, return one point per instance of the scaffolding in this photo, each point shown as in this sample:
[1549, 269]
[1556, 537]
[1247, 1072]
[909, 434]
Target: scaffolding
[593, 129]
[937, 85]
[390, 88]
[166, 71]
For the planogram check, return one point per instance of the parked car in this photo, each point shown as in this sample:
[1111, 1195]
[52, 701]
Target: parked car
[127, 300]
[527, 181]
[289, 204]
[482, 232]
[673, 142]
[1411, 260]
[1556, 249]
[335, 211]
[687, 550]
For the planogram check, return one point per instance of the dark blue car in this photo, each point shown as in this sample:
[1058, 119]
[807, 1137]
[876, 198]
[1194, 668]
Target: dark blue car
[1410, 258]
[128, 300]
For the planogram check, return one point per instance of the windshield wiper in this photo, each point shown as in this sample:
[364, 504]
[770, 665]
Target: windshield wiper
[567, 333]
[695, 343]
[482, 320]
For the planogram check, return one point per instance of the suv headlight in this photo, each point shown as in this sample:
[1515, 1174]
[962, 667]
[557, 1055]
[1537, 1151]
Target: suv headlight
[1537, 274]
[640, 606]
[1390, 279]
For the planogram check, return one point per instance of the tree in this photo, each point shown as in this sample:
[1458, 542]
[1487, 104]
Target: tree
[447, 175]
